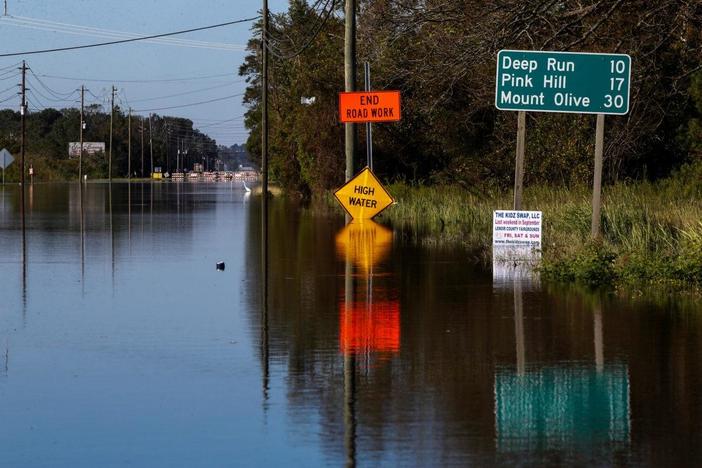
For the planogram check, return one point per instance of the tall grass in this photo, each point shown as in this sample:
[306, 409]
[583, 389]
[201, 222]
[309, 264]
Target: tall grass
[651, 232]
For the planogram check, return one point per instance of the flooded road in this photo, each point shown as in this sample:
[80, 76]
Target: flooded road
[121, 344]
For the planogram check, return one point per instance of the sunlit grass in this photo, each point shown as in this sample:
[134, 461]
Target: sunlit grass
[651, 233]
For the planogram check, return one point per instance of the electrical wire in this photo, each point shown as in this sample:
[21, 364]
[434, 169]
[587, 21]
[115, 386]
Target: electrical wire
[156, 80]
[36, 90]
[187, 92]
[7, 99]
[14, 65]
[9, 76]
[312, 38]
[191, 104]
[8, 89]
[124, 41]
[45, 25]
[51, 91]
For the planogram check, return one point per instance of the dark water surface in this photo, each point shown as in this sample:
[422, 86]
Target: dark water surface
[120, 344]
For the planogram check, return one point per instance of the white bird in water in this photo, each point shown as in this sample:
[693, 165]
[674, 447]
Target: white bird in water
[246, 188]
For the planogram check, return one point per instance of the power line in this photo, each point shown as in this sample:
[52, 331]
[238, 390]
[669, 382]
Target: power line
[187, 92]
[156, 80]
[8, 89]
[11, 97]
[36, 90]
[124, 41]
[46, 25]
[53, 92]
[191, 104]
[312, 38]
[13, 66]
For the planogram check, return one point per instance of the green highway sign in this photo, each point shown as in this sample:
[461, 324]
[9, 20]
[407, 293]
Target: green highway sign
[578, 82]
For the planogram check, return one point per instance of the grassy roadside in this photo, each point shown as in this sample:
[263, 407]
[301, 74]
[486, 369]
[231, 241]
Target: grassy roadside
[652, 233]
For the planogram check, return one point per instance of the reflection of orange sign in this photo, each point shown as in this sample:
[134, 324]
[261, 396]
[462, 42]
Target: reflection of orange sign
[369, 106]
[370, 327]
[365, 242]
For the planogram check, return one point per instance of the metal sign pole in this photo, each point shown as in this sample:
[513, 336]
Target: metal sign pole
[519, 163]
[369, 126]
[597, 183]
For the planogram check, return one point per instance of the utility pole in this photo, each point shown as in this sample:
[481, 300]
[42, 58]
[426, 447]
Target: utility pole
[82, 126]
[264, 152]
[350, 82]
[264, 97]
[142, 147]
[112, 118]
[369, 126]
[168, 145]
[151, 144]
[23, 117]
[129, 145]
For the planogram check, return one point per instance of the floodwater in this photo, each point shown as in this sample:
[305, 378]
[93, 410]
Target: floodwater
[121, 344]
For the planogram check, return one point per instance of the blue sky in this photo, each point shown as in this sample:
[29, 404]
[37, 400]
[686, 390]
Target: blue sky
[136, 61]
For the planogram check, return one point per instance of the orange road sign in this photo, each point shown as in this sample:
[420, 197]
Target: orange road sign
[364, 197]
[369, 106]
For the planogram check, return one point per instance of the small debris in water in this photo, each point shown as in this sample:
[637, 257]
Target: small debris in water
[220, 266]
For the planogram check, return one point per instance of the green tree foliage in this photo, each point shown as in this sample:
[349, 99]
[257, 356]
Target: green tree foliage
[442, 57]
[692, 132]
[50, 131]
[307, 142]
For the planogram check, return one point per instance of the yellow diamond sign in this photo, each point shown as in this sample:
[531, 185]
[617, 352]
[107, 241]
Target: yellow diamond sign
[363, 197]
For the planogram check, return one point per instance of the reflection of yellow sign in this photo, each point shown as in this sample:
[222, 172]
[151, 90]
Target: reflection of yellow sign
[363, 197]
[365, 242]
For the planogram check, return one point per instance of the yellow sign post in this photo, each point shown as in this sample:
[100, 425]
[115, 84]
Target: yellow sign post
[363, 197]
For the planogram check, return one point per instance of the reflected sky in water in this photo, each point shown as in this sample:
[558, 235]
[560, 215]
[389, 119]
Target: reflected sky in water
[121, 344]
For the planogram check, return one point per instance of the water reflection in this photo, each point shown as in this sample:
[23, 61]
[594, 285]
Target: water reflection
[369, 314]
[365, 351]
[364, 243]
[568, 406]
[369, 321]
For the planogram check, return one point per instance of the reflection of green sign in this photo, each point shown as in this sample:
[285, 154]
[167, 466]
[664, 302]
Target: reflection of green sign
[561, 407]
[585, 83]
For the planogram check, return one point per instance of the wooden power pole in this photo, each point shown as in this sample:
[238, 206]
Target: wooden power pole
[264, 98]
[82, 126]
[129, 145]
[350, 82]
[151, 144]
[112, 118]
[142, 147]
[23, 124]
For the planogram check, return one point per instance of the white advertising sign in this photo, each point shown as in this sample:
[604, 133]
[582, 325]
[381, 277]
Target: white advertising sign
[90, 148]
[516, 229]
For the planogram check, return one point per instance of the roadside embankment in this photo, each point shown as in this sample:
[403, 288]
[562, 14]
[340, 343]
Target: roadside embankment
[652, 233]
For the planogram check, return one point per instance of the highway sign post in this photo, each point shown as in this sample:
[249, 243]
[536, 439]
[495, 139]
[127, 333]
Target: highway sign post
[364, 197]
[571, 82]
[5, 160]
[369, 106]
[583, 83]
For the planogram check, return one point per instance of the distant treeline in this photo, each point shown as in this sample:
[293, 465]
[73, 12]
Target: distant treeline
[442, 56]
[50, 131]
